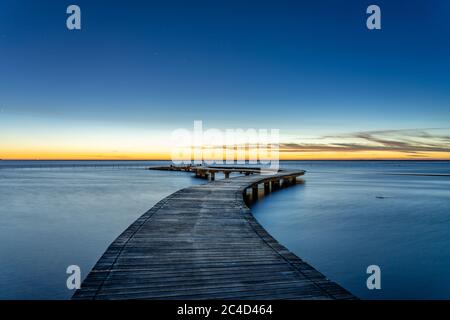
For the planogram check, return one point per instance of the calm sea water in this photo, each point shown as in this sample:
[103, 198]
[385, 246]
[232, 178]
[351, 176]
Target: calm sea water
[343, 217]
[55, 214]
[348, 215]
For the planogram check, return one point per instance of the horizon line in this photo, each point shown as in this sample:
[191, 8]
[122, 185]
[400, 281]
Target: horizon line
[225, 160]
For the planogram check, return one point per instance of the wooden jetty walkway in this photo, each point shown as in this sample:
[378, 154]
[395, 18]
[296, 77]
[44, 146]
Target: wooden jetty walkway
[209, 172]
[202, 242]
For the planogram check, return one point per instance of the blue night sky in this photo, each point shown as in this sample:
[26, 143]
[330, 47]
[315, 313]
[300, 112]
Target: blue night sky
[310, 68]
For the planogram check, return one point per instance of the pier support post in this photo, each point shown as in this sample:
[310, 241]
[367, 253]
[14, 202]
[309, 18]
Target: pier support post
[275, 184]
[266, 187]
[227, 175]
[255, 192]
[212, 175]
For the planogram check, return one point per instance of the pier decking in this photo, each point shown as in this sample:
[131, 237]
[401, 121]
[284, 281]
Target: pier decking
[202, 242]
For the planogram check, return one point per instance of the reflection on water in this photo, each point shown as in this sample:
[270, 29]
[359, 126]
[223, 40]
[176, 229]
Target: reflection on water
[341, 217]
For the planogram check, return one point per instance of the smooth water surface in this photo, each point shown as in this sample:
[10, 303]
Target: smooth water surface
[348, 215]
[56, 214]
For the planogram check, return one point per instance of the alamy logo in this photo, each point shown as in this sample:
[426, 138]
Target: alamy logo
[73, 21]
[374, 280]
[74, 280]
[374, 20]
[214, 146]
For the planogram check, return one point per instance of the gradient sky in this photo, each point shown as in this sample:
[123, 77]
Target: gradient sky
[140, 69]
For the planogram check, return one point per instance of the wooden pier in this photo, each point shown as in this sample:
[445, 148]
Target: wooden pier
[209, 172]
[202, 242]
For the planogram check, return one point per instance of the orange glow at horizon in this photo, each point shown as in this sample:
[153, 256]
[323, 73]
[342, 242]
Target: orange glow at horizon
[143, 145]
[48, 154]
